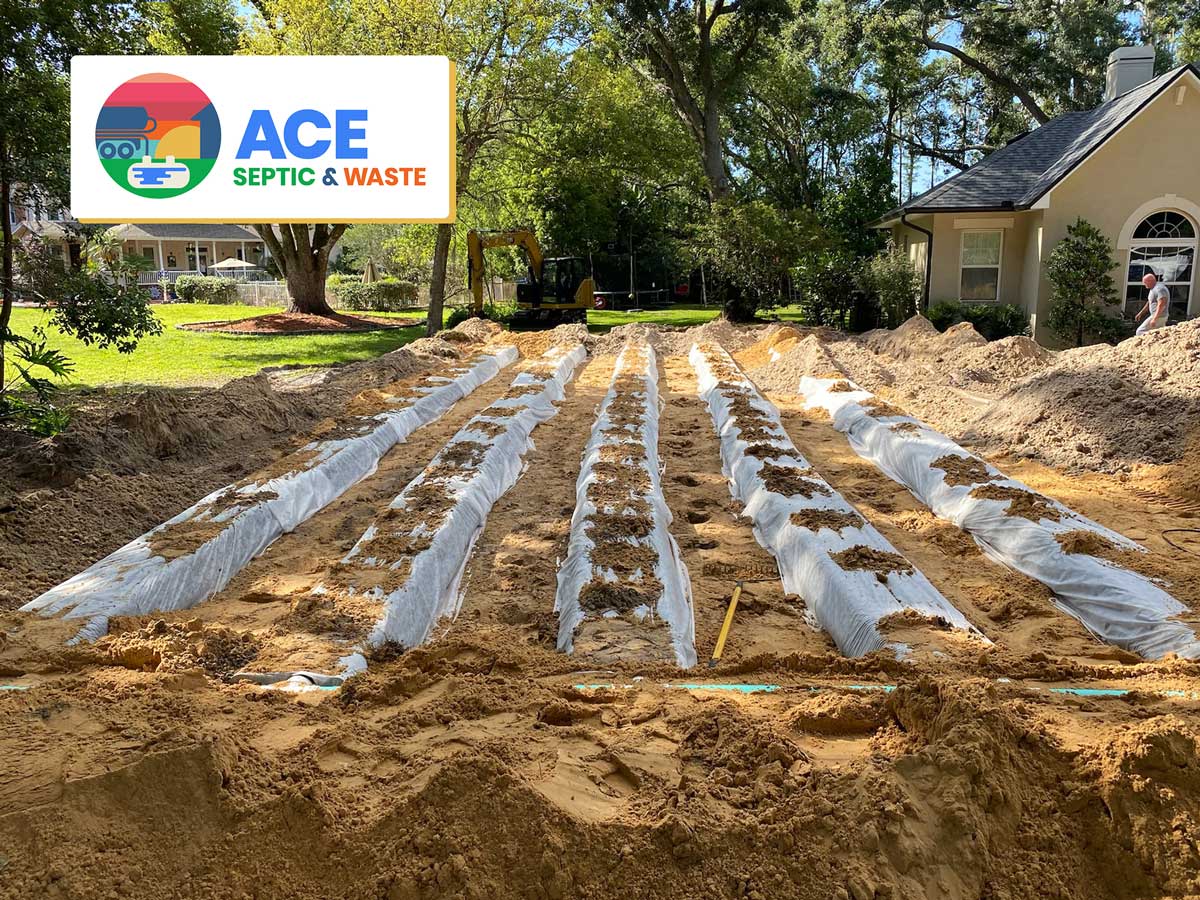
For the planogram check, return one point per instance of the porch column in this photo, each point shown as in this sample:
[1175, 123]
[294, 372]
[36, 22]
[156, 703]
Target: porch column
[244, 252]
[161, 260]
[213, 259]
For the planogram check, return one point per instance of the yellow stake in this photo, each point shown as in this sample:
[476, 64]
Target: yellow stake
[720, 648]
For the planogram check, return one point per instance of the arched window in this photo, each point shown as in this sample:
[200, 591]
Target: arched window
[1163, 243]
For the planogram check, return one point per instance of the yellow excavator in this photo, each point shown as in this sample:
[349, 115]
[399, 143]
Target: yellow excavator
[556, 290]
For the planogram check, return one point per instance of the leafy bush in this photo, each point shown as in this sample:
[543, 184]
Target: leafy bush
[502, 311]
[1080, 270]
[749, 248]
[32, 410]
[205, 289]
[993, 321]
[891, 278]
[456, 315]
[387, 295]
[825, 281]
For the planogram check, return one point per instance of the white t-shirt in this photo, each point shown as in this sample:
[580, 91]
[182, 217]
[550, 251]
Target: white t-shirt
[1159, 299]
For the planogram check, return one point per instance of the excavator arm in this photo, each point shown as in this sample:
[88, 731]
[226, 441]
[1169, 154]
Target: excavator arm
[477, 242]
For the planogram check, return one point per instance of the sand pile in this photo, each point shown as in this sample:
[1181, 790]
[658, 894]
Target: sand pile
[809, 356]
[503, 786]
[996, 363]
[477, 330]
[1104, 408]
[918, 338]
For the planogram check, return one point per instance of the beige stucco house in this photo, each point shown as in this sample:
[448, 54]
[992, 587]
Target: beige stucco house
[1131, 167]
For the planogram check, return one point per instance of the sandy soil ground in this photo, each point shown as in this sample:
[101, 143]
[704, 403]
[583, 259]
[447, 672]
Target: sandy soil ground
[487, 764]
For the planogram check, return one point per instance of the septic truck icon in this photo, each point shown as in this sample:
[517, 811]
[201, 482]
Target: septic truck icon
[124, 131]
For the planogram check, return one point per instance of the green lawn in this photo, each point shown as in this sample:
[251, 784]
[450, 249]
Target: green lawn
[684, 314]
[178, 357]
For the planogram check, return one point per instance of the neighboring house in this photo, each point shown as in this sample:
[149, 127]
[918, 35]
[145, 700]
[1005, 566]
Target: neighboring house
[169, 250]
[1131, 167]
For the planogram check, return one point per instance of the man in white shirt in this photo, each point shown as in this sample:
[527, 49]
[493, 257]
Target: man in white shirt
[1157, 304]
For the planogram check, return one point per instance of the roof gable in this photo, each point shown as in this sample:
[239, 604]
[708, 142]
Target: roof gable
[1017, 175]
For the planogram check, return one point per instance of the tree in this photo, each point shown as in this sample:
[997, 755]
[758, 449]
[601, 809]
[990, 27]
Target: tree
[37, 40]
[981, 72]
[749, 248]
[700, 53]
[891, 278]
[508, 55]
[1080, 271]
[302, 254]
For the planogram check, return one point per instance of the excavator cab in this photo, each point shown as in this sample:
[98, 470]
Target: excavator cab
[555, 290]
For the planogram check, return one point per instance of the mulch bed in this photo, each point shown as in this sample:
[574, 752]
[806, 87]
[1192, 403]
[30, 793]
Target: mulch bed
[300, 323]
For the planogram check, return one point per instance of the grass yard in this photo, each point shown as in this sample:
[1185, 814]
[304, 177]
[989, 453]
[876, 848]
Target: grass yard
[178, 357]
[183, 358]
[682, 315]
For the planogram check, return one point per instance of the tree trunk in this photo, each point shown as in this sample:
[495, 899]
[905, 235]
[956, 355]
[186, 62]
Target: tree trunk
[306, 291]
[7, 274]
[303, 259]
[437, 281]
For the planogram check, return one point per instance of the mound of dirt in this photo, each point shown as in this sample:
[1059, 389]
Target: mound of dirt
[535, 343]
[1103, 408]
[300, 323]
[997, 362]
[911, 338]
[127, 464]
[810, 356]
[477, 330]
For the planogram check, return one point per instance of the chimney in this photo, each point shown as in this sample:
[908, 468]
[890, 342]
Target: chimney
[1128, 68]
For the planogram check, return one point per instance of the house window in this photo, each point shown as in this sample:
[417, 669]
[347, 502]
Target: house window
[979, 266]
[148, 253]
[1163, 244]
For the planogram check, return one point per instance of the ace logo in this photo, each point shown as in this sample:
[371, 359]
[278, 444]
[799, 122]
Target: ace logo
[296, 139]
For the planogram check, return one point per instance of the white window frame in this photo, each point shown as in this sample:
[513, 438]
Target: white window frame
[1193, 308]
[999, 266]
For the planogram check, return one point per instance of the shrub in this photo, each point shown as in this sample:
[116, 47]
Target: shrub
[205, 289]
[456, 315]
[387, 295]
[825, 281]
[892, 279]
[1080, 270]
[993, 321]
[749, 248]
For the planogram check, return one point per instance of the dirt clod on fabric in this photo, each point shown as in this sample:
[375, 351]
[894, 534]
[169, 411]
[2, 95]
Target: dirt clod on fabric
[870, 559]
[1022, 503]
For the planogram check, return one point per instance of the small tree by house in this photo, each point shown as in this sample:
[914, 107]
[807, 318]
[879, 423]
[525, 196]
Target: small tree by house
[1080, 271]
[302, 254]
[891, 278]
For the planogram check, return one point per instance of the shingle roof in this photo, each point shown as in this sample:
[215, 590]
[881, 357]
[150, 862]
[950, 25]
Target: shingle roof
[1017, 175]
[175, 232]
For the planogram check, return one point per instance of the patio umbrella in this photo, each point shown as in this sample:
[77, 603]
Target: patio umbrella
[232, 263]
[369, 273]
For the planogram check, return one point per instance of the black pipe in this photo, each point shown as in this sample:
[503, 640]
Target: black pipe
[928, 258]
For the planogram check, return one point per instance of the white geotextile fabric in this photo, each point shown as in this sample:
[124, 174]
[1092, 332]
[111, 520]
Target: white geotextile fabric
[134, 580]
[674, 607]
[430, 591]
[1114, 603]
[848, 604]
